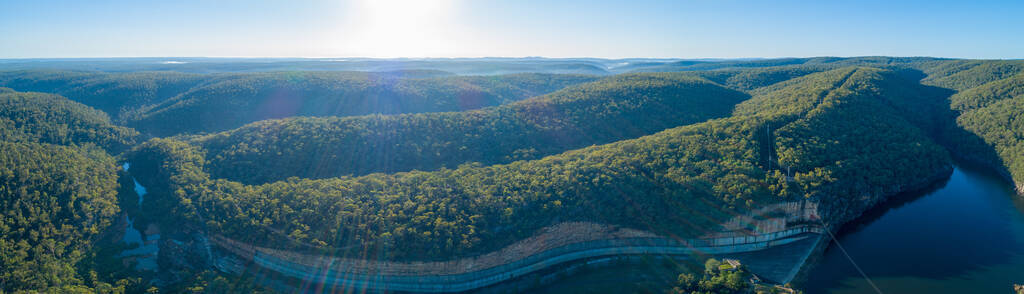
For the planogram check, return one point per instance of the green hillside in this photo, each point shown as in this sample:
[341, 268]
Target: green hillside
[961, 75]
[988, 93]
[600, 112]
[47, 118]
[423, 165]
[252, 97]
[988, 129]
[682, 181]
[748, 79]
[118, 94]
[55, 201]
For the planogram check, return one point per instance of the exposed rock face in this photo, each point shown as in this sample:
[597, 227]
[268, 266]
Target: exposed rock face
[836, 212]
[184, 254]
[557, 244]
[770, 218]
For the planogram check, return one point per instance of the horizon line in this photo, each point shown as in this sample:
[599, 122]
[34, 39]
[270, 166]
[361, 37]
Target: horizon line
[491, 57]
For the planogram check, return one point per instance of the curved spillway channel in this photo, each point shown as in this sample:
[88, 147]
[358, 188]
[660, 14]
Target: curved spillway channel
[558, 244]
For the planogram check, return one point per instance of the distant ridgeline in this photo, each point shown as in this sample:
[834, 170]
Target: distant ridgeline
[420, 165]
[168, 103]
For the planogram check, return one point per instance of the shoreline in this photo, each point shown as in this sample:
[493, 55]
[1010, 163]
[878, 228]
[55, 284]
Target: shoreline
[997, 169]
[557, 264]
[817, 253]
[807, 269]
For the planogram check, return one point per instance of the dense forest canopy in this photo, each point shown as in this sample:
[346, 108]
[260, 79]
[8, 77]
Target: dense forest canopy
[754, 78]
[48, 118]
[58, 191]
[605, 111]
[682, 181]
[988, 128]
[421, 164]
[962, 75]
[1001, 125]
[237, 101]
[55, 201]
[988, 93]
[169, 103]
[118, 94]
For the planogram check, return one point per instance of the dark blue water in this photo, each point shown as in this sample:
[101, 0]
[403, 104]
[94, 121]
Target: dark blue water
[964, 235]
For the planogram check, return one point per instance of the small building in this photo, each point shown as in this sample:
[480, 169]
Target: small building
[729, 264]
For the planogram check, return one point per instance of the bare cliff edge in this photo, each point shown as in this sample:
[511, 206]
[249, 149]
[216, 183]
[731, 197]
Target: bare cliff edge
[773, 225]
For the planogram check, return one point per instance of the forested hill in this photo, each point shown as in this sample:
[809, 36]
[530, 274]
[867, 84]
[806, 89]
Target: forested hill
[424, 165]
[990, 104]
[961, 75]
[859, 136]
[58, 191]
[612, 109]
[748, 79]
[847, 141]
[237, 101]
[117, 94]
[988, 93]
[169, 103]
[48, 118]
[831, 62]
[55, 201]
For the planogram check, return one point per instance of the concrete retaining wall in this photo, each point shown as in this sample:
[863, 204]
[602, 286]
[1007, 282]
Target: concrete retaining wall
[332, 274]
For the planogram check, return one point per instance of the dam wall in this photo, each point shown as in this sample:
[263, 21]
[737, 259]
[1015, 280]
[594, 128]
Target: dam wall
[509, 263]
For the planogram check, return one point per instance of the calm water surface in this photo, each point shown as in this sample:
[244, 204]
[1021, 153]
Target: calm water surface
[965, 235]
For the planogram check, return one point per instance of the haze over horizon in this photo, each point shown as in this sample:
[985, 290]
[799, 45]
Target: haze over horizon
[460, 28]
[511, 146]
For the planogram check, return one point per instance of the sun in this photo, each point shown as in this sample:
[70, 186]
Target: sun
[400, 28]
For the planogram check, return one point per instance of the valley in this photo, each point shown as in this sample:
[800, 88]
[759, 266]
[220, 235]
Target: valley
[419, 180]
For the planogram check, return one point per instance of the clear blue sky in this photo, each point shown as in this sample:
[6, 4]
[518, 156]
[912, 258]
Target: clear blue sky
[475, 28]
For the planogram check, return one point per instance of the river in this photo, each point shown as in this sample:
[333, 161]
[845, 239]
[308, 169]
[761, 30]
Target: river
[145, 241]
[963, 235]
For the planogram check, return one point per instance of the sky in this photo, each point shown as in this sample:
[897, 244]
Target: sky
[511, 28]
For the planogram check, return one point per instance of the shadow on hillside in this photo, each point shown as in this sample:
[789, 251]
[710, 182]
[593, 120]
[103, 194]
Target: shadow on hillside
[961, 203]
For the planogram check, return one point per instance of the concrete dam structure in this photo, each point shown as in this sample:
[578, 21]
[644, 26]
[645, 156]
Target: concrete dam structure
[554, 245]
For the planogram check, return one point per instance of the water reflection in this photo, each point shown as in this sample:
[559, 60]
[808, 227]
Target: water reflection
[962, 236]
[145, 244]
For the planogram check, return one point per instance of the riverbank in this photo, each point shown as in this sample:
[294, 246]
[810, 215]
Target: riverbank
[997, 168]
[930, 183]
[961, 235]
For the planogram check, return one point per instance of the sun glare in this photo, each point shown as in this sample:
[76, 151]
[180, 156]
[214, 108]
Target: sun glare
[400, 28]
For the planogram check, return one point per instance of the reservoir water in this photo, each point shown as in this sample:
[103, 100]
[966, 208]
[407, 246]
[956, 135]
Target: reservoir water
[963, 235]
